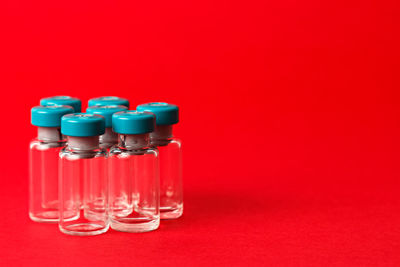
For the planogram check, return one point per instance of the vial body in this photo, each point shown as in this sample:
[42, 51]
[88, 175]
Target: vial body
[83, 191]
[134, 189]
[43, 180]
[171, 189]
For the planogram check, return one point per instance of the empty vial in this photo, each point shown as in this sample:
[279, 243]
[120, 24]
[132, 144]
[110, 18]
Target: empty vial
[43, 162]
[171, 192]
[134, 174]
[109, 138]
[108, 100]
[83, 184]
[62, 100]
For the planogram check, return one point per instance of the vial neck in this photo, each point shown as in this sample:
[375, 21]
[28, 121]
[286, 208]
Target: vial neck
[109, 137]
[161, 135]
[50, 134]
[133, 141]
[83, 143]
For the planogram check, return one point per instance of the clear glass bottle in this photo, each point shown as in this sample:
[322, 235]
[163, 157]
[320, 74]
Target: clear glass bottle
[171, 189]
[83, 188]
[134, 174]
[109, 138]
[108, 100]
[75, 103]
[43, 162]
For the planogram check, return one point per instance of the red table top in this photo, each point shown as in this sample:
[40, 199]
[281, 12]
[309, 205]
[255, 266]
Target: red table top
[289, 119]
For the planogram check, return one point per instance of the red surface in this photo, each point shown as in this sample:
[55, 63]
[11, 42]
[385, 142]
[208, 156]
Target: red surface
[289, 117]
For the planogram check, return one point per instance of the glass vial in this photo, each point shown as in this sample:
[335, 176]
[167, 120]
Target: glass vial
[171, 189]
[43, 162]
[75, 103]
[108, 100]
[83, 188]
[134, 174]
[109, 138]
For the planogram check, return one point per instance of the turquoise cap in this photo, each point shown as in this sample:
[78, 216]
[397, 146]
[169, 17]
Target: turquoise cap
[106, 112]
[166, 114]
[133, 122]
[82, 124]
[49, 116]
[62, 100]
[108, 100]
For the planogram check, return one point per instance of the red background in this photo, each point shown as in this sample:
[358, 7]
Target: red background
[289, 118]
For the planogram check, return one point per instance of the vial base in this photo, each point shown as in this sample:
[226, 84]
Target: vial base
[84, 229]
[171, 212]
[51, 216]
[135, 225]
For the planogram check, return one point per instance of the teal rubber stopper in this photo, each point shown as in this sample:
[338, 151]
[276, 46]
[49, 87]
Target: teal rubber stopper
[49, 116]
[106, 112]
[166, 114]
[82, 125]
[133, 122]
[108, 100]
[62, 100]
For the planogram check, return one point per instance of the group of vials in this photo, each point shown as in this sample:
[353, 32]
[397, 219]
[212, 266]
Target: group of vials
[108, 167]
